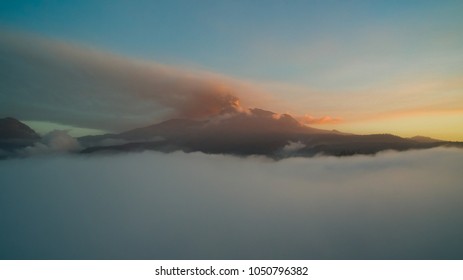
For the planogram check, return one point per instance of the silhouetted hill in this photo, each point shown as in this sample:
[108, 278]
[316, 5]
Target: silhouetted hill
[15, 135]
[11, 128]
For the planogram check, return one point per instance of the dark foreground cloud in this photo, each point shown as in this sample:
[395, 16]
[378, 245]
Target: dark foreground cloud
[195, 206]
[53, 81]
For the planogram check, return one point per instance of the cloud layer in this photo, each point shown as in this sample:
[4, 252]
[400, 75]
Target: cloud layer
[195, 206]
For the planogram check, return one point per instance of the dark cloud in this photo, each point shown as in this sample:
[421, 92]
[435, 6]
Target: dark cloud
[194, 206]
[57, 82]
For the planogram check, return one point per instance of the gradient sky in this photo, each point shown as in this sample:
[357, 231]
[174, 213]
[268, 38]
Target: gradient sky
[373, 66]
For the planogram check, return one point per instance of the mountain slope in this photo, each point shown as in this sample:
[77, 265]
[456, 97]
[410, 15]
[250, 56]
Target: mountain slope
[11, 128]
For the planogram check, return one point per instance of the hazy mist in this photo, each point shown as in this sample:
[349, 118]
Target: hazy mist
[150, 205]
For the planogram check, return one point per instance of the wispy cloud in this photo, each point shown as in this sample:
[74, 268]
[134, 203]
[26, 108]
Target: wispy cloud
[308, 119]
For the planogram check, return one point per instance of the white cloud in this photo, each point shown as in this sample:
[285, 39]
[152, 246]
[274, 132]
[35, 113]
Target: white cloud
[293, 147]
[56, 141]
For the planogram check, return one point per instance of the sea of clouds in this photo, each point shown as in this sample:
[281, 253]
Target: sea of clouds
[395, 205]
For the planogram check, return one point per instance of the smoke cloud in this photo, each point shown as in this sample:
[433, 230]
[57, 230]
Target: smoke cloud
[51, 81]
[194, 206]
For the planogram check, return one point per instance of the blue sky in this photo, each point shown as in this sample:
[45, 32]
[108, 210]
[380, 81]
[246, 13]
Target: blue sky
[304, 53]
[266, 40]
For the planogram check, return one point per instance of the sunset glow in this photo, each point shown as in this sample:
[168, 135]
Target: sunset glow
[362, 67]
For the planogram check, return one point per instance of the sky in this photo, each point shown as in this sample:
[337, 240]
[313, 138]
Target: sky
[356, 66]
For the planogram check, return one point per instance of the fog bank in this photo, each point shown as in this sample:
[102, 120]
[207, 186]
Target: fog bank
[149, 205]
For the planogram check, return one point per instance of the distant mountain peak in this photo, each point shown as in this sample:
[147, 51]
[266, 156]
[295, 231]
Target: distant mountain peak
[14, 136]
[11, 128]
[425, 139]
[261, 113]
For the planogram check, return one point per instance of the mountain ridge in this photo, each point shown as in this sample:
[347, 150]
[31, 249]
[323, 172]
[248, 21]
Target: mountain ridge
[254, 132]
